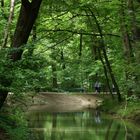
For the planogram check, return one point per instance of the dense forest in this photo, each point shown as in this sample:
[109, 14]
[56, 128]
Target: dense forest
[66, 46]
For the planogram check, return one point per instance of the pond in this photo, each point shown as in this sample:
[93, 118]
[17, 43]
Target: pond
[79, 125]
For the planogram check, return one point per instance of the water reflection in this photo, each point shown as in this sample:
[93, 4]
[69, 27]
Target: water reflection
[97, 116]
[86, 125]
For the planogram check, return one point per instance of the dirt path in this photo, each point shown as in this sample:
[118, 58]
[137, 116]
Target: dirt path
[64, 102]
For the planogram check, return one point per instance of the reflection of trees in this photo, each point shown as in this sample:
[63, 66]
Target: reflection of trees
[79, 125]
[129, 135]
[54, 122]
[108, 130]
[97, 116]
[116, 132]
[36, 123]
[137, 136]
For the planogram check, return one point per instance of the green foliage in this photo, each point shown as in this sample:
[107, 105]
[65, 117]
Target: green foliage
[26, 74]
[128, 109]
[58, 29]
[15, 125]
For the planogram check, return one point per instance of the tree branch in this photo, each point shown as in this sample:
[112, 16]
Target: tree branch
[80, 32]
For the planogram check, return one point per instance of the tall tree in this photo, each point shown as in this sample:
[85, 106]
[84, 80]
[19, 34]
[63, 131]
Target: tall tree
[8, 24]
[28, 14]
[125, 34]
[103, 48]
[130, 36]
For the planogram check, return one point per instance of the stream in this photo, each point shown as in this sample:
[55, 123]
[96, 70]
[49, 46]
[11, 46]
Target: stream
[86, 124]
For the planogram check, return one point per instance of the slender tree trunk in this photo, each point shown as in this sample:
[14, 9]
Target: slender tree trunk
[102, 45]
[111, 73]
[98, 55]
[80, 46]
[135, 28]
[94, 52]
[127, 43]
[133, 18]
[8, 24]
[26, 20]
[63, 60]
[128, 52]
[105, 72]
[54, 77]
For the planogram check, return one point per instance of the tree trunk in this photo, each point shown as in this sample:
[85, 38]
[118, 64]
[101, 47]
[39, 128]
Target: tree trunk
[26, 20]
[111, 73]
[105, 72]
[133, 18]
[8, 24]
[63, 60]
[127, 44]
[54, 77]
[102, 45]
[80, 46]
[135, 28]
[3, 95]
[128, 52]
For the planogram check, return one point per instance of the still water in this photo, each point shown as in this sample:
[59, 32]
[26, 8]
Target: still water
[80, 125]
